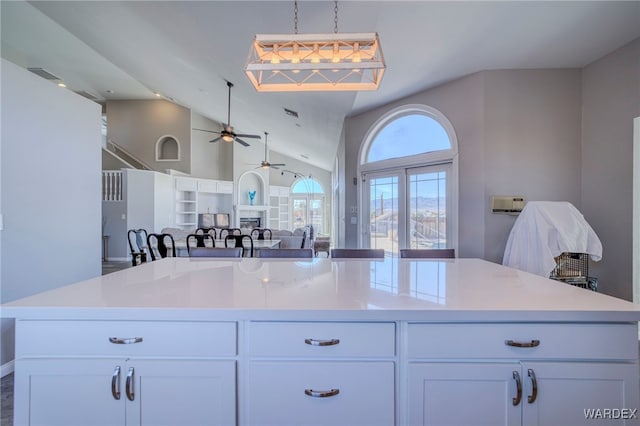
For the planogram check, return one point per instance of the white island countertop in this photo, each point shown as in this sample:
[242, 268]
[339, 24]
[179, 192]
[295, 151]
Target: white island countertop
[322, 289]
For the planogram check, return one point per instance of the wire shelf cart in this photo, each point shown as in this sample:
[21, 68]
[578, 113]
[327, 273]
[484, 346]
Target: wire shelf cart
[573, 268]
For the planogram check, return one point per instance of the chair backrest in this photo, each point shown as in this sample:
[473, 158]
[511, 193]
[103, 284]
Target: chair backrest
[358, 253]
[216, 252]
[138, 245]
[427, 253]
[207, 230]
[228, 231]
[300, 253]
[239, 241]
[137, 240]
[200, 240]
[260, 234]
[158, 247]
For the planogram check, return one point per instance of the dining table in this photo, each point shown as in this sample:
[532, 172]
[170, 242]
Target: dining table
[181, 246]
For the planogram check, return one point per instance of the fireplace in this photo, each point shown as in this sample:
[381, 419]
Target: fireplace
[250, 222]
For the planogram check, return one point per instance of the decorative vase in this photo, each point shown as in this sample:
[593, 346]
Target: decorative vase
[252, 195]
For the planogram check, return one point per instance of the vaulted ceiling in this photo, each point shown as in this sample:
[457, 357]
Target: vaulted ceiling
[186, 50]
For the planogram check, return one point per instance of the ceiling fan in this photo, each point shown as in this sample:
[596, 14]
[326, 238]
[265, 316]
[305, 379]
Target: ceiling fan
[227, 134]
[266, 164]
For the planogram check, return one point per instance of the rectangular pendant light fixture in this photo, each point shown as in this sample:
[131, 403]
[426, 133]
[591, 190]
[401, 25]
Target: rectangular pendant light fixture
[315, 62]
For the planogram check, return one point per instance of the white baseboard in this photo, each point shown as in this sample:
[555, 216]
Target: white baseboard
[6, 368]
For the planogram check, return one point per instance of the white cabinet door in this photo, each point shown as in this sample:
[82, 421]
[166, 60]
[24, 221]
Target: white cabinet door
[568, 393]
[208, 186]
[182, 393]
[186, 184]
[463, 394]
[291, 393]
[225, 187]
[68, 392]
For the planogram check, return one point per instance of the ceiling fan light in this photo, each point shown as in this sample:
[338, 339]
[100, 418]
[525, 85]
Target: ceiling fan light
[227, 138]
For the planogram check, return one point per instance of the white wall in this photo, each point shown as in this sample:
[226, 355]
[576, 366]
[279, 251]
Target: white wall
[51, 188]
[611, 100]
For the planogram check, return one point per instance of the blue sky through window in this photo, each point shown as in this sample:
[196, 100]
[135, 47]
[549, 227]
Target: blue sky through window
[408, 135]
[307, 186]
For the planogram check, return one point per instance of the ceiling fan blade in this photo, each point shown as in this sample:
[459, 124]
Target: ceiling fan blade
[216, 139]
[278, 164]
[274, 166]
[241, 142]
[205, 130]
[248, 136]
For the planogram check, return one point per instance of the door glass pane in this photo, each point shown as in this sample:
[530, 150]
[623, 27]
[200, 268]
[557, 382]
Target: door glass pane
[299, 212]
[427, 226]
[317, 214]
[383, 213]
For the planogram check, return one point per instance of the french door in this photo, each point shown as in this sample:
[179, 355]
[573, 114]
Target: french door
[407, 208]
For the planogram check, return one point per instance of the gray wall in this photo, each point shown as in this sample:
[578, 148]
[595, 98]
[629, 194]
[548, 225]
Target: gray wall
[209, 160]
[518, 133]
[532, 143]
[137, 126]
[611, 99]
[51, 188]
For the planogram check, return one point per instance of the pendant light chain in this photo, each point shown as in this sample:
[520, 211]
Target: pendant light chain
[335, 18]
[295, 17]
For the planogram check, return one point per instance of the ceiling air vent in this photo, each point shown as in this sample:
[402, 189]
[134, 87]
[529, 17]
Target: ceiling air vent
[44, 74]
[87, 95]
[291, 113]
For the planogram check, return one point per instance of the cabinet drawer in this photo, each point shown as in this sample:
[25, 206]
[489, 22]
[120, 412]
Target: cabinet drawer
[361, 393]
[576, 341]
[325, 339]
[92, 338]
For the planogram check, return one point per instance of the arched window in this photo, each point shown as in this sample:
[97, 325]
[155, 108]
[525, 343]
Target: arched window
[308, 204]
[408, 165]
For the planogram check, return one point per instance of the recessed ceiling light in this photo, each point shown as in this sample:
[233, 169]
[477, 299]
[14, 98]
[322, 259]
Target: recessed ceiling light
[110, 91]
[291, 112]
[157, 94]
[305, 156]
[61, 84]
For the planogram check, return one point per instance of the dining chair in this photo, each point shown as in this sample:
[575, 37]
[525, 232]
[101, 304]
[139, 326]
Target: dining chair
[448, 253]
[158, 247]
[357, 253]
[216, 252]
[260, 234]
[199, 240]
[239, 241]
[228, 231]
[207, 230]
[300, 253]
[138, 245]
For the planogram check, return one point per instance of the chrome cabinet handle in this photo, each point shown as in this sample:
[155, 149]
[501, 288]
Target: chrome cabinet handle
[518, 396]
[531, 344]
[125, 340]
[115, 383]
[314, 342]
[130, 391]
[534, 387]
[321, 394]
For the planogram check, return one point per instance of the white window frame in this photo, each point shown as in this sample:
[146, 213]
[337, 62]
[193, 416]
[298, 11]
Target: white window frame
[418, 160]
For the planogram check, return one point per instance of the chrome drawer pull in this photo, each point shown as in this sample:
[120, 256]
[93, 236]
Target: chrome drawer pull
[531, 344]
[125, 340]
[314, 342]
[534, 387]
[129, 387]
[518, 396]
[321, 394]
[115, 383]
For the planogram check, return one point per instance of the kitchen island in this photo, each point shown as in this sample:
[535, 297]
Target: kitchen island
[315, 342]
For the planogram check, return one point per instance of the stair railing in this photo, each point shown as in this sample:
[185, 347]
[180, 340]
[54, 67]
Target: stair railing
[127, 156]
